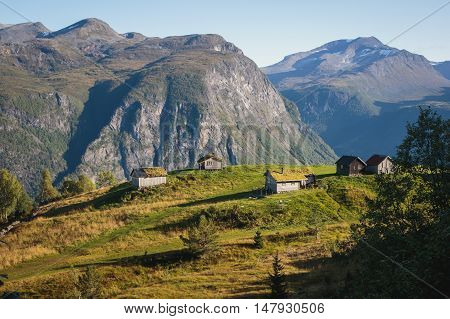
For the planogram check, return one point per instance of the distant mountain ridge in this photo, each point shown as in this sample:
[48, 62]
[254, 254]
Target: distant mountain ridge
[86, 98]
[355, 91]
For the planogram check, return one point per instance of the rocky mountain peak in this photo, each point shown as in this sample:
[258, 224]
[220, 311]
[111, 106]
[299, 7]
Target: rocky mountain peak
[366, 42]
[88, 29]
[18, 33]
[211, 42]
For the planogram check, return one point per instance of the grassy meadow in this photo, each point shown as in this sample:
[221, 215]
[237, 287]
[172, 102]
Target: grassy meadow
[132, 237]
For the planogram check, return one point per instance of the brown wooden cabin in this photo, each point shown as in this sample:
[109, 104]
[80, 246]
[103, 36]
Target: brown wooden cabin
[350, 165]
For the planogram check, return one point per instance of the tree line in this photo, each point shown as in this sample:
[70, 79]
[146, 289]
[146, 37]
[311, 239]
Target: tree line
[15, 203]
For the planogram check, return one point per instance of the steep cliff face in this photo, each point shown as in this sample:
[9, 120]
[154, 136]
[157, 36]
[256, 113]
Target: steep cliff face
[99, 100]
[212, 102]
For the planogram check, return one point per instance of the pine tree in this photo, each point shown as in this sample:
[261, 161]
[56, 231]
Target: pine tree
[48, 192]
[88, 285]
[258, 240]
[277, 280]
[201, 239]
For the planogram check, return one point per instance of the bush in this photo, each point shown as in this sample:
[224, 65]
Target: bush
[105, 178]
[201, 239]
[231, 218]
[71, 187]
[85, 184]
[88, 285]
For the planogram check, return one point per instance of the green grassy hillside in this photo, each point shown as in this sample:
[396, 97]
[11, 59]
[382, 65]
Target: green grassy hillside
[132, 237]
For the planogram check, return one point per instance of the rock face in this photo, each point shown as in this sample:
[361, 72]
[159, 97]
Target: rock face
[353, 92]
[91, 99]
[19, 33]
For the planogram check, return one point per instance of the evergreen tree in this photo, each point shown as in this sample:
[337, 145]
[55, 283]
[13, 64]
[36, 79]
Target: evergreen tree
[13, 198]
[408, 221]
[88, 285]
[277, 279]
[48, 192]
[258, 240]
[105, 178]
[201, 239]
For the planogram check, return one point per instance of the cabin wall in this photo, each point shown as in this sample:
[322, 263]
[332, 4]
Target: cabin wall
[290, 186]
[210, 165]
[148, 182]
[342, 169]
[385, 167]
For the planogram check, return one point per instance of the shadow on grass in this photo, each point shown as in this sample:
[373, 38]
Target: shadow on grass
[113, 196]
[167, 258]
[223, 198]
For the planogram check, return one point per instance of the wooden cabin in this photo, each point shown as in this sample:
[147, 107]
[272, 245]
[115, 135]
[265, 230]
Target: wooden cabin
[210, 162]
[148, 177]
[350, 165]
[379, 164]
[287, 180]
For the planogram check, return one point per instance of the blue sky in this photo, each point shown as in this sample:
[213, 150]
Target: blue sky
[265, 30]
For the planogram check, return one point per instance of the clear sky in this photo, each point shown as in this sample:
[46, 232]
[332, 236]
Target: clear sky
[265, 30]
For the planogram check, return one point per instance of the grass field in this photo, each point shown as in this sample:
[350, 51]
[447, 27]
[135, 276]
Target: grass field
[132, 237]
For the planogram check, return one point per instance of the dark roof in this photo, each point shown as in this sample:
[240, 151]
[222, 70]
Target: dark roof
[347, 159]
[209, 156]
[376, 159]
[145, 172]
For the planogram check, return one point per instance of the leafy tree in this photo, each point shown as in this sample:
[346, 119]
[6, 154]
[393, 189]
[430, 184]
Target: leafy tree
[201, 239]
[72, 187]
[88, 285]
[85, 184]
[13, 198]
[277, 279]
[48, 192]
[258, 240]
[69, 187]
[405, 234]
[105, 178]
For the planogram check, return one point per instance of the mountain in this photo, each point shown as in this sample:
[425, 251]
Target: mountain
[443, 68]
[359, 93]
[21, 32]
[85, 98]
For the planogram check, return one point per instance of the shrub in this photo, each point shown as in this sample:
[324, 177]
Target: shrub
[85, 184]
[232, 218]
[88, 285]
[105, 178]
[72, 187]
[201, 239]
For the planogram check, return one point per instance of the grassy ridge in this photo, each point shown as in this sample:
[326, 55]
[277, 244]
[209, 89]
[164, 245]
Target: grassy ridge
[133, 236]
